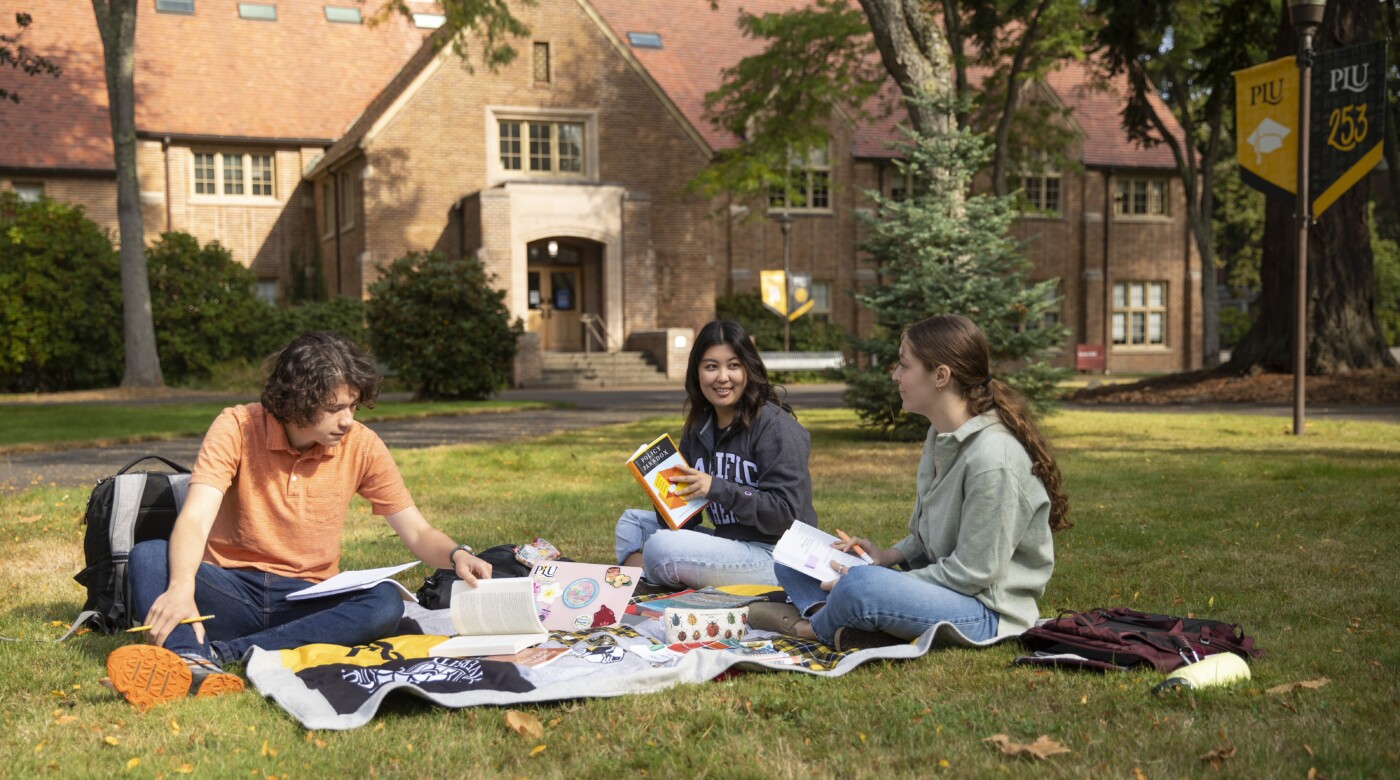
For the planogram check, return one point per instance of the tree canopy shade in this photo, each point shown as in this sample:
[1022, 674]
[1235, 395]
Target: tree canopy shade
[1186, 52]
[15, 54]
[1343, 331]
[116, 21]
[488, 21]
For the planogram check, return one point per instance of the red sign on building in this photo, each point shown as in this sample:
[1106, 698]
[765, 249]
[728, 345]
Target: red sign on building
[1089, 357]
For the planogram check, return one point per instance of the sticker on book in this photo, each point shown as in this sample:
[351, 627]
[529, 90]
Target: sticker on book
[700, 625]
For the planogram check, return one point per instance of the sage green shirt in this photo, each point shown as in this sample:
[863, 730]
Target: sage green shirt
[981, 521]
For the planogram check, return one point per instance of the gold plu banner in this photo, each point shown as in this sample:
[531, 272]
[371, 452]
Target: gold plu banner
[1266, 125]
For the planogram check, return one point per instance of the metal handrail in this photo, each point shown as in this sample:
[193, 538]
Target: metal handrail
[594, 327]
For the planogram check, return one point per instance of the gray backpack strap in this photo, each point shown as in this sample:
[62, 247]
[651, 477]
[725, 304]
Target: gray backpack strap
[83, 618]
[180, 483]
[126, 506]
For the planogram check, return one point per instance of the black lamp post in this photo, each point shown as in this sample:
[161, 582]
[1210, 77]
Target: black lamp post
[1306, 16]
[785, 223]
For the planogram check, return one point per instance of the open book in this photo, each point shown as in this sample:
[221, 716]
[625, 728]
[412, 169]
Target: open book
[497, 617]
[808, 550]
[361, 579]
[653, 465]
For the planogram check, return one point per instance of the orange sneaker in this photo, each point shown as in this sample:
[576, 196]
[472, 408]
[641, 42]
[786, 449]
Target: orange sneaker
[148, 675]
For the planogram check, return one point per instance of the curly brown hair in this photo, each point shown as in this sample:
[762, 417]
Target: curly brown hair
[956, 342]
[304, 376]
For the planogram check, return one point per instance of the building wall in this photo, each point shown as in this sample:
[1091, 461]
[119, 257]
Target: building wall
[96, 193]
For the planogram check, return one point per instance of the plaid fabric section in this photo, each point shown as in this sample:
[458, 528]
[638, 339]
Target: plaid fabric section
[595, 637]
[815, 655]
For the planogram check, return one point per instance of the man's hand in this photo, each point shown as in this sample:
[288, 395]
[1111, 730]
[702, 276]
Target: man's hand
[470, 568]
[167, 611]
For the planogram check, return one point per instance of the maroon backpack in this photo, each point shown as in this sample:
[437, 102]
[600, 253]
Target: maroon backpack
[1121, 638]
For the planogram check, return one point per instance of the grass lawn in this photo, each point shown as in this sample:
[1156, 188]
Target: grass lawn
[24, 426]
[1221, 516]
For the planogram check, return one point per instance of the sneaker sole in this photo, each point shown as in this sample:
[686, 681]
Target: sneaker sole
[148, 675]
[219, 684]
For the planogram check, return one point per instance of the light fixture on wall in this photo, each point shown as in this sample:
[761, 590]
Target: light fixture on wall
[553, 248]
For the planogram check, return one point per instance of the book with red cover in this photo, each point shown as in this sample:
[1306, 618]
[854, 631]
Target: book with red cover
[653, 465]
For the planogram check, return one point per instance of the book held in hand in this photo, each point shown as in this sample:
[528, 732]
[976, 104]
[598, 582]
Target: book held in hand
[653, 465]
[497, 617]
[809, 550]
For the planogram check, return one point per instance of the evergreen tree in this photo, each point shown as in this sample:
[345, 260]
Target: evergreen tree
[940, 251]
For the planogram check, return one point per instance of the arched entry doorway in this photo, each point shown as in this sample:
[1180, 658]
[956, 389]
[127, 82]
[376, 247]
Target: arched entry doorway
[564, 282]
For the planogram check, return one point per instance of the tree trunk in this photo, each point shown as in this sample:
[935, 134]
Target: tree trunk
[116, 21]
[916, 55]
[1001, 152]
[1343, 333]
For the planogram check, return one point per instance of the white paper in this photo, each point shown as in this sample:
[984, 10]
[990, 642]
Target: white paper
[350, 581]
[809, 550]
[497, 617]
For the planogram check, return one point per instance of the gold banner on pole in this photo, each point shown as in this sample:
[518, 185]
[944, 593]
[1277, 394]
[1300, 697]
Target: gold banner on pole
[1266, 126]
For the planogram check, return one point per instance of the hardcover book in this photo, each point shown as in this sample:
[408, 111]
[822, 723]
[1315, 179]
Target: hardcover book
[653, 465]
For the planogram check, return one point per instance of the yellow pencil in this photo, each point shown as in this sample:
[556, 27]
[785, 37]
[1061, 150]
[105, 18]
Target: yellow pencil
[199, 619]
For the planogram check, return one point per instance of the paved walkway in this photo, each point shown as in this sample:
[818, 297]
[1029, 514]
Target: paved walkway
[590, 408]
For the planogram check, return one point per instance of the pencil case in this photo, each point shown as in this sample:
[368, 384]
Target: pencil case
[703, 625]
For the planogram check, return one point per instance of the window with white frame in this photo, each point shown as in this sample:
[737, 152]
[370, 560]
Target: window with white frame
[1040, 194]
[809, 183]
[235, 174]
[821, 301]
[346, 183]
[267, 291]
[29, 192]
[541, 147]
[1140, 197]
[1140, 313]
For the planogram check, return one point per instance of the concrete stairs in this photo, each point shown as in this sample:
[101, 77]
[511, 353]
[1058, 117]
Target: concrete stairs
[597, 370]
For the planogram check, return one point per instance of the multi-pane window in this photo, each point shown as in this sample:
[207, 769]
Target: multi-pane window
[821, 301]
[174, 6]
[1040, 194]
[541, 62]
[234, 174]
[809, 183]
[1140, 198]
[29, 193]
[541, 147]
[1140, 313]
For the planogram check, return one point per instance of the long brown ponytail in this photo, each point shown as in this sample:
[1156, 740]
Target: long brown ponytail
[955, 341]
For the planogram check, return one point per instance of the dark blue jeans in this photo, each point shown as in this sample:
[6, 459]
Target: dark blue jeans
[251, 609]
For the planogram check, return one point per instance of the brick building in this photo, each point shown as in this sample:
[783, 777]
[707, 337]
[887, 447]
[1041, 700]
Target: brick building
[308, 137]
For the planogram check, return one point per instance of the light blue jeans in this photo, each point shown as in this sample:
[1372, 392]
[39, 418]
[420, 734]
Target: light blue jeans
[691, 559]
[875, 598]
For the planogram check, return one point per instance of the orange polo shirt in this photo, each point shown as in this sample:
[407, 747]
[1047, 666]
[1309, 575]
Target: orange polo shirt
[283, 511]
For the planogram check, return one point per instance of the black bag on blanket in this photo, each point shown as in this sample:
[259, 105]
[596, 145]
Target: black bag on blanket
[436, 592]
[122, 511]
[1121, 638]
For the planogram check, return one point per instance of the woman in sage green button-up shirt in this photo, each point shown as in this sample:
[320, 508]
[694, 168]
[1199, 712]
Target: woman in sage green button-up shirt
[978, 550]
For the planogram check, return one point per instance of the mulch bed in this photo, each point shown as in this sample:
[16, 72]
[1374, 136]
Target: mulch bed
[1375, 387]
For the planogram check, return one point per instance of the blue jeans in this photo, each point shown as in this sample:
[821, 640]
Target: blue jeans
[875, 598]
[251, 609]
[691, 559]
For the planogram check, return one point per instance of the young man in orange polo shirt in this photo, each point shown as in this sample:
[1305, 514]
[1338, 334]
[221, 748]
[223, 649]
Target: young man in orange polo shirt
[263, 519]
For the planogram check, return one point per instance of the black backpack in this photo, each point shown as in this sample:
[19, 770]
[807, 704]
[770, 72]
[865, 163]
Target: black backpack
[1122, 638]
[124, 510]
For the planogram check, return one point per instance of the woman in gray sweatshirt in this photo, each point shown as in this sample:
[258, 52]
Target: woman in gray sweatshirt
[978, 551]
[749, 457]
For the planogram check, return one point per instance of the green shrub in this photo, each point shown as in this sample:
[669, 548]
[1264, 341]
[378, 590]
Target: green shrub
[804, 335]
[60, 299]
[204, 307]
[1387, 253]
[345, 316]
[442, 327]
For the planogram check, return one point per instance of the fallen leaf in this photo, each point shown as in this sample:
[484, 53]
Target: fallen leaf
[40, 746]
[184, 769]
[1042, 747]
[30, 519]
[1137, 773]
[133, 763]
[1293, 686]
[65, 720]
[174, 727]
[536, 750]
[111, 740]
[1307, 749]
[524, 724]
[267, 750]
[1218, 756]
[320, 744]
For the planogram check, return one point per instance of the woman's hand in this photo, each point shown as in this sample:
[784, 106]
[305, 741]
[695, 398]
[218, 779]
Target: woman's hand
[879, 556]
[696, 483]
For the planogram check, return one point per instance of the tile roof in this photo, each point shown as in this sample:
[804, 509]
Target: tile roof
[697, 46]
[207, 74]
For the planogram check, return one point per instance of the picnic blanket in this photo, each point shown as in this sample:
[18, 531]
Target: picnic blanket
[337, 687]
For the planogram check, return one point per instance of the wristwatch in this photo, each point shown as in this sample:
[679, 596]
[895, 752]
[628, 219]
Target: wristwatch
[452, 556]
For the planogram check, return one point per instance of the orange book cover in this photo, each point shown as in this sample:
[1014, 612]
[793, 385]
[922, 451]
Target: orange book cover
[653, 465]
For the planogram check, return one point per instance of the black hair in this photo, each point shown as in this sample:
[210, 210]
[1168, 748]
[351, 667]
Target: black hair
[757, 389]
